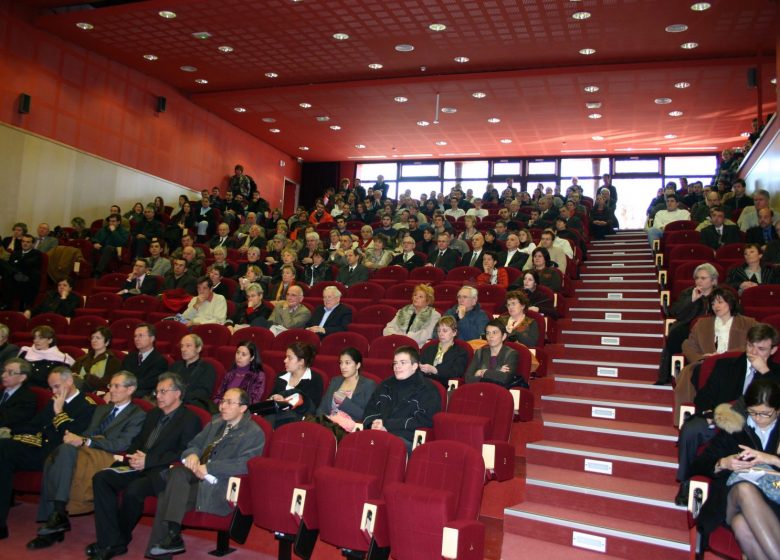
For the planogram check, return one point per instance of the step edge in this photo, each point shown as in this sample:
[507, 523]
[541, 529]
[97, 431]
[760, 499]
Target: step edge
[616, 348]
[601, 455]
[625, 383]
[594, 333]
[577, 489]
[609, 431]
[614, 404]
[605, 364]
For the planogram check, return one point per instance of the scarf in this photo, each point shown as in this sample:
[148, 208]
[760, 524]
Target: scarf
[422, 318]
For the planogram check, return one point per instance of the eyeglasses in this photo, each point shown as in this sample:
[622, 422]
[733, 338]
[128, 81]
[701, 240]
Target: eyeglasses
[11, 372]
[164, 391]
[755, 414]
[231, 403]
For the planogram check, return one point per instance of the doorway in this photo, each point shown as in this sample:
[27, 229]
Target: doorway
[289, 197]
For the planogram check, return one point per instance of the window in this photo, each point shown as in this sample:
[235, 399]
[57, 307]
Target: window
[507, 168]
[478, 186]
[367, 172]
[541, 167]
[584, 167]
[637, 165]
[544, 185]
[420, 187]
[466, 169]
[633, 197]
[684, 166]
[420, 170]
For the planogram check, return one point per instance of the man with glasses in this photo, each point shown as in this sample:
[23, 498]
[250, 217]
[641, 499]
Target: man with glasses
[405, 402]
[168, 428]
[7, 350]
[728, 382]
[469, 315]
[220, 451]
[17, 401]
[291, 314]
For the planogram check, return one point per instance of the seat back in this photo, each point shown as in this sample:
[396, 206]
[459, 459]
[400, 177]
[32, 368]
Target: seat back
[56, 321]
[333, 344]
[86, 325]
[371, 291]
[203, 415]
[764, 294]
[289, 336]
[213, 336]
[373, 452]
[463, 274]
[488, 401]
[524, 363]
[262, 337]
[730, 251]
[395, 273]
[429, 274]
[385, 347]
[402, 291]
[16, 321]
[689, 252]
[124, 330]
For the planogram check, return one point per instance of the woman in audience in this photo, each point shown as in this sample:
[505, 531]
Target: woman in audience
[723, 331]
[273, 219]
[278, 291]
[428, 243]
[251, 276]
[752, 273]
[136, 214]
[549, 275]
[335, 237]
[81, 231]
[527, 244]
[247, 373]
[94, 370]
[215, 273]
[181, 223]
[297, 391]
[159, 208]
[491, 242]
[220, 261]
[747, 438]
[361, 214]
[444, 360]
[252, 312]
[61, 301]
[494, 362]
[378, 256]
[492, 275]
[346, 398]
[290, 259]
[601, 218]
[274, 249]
[539, 300]
[43, 355]
[519, 326]
[471, 228]
[418, 319]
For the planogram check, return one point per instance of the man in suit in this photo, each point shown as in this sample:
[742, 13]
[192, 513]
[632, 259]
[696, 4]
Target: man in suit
[17, 402]
[157, 264]
[145, 362]
[719, 233]
[168, 429]
[145, 230]
[728, 381]
[197, 374]
[408, 258]
[7, 350]
[21, 275]
[179, 278]
[352, 272]
[443, 256]
[331, 316]
[477, 253]
[220, 451]
[749, 216]
[547, 213]
[512, 257]
[45, 242]
[568, 215]
[319, 269]
[32, 442]
[737, 198]
[138, 281]
[222, 238]
[764, 232]
[291, 314]
[111, 430]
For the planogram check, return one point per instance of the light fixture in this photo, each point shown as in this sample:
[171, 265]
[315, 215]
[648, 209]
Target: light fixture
[271, 75]
[400, 99]
[449, 110]
[682, 85]
[700, 6]
[268, 120]
[587, 52]
[201, 81]
[360, 146]
[188, 68]
[84, 26]
[441, 143]
[506, 140]
[437, 27]
[580, 15]
[151, 57]
[662, 101]
[340, 36]
[167, 14]
[461, 59]
[773, 81]
[375, 66]
[225, 48]
[494, 120]
[689, 46]
[239, 109]
[202, 35]
[303, 148]
[335, 127]
[597, 138]
[594, 116]
[274, 130]
[591, 89]
[404, 48]
[676, 28]
[479, 95]
[304, 105]
[423, 123]
[675, 113]
[322, 118]
[593, 105]
[670, 136]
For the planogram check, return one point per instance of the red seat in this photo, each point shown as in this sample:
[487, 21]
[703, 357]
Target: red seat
[370, 321]
[169, 334]
[262, 337]
[137, 307]
[123, 333]
[100, 304]
[428, 274]
[213, 336]
[112, 282]
[689, 252]
[15, 321]
[365, 293]
[274, 356]
[80, 329]
[492, 297]
[680, 225]
[390, 275]
[446, 294]
[379, 360]
[463, 274]
[731, 251]
[56, 321]
[220, 372]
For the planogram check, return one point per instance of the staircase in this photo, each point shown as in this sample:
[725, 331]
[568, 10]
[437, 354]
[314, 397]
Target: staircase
[603, 476]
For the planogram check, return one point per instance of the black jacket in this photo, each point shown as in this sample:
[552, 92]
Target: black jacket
[18, 409]
[727, 380]
[147, 372]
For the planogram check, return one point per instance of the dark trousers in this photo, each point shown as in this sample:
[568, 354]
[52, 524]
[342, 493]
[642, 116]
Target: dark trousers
[179, 497]
[26, 290]
[15, 456]
[693, 434]
[114, 523]
[105, 256]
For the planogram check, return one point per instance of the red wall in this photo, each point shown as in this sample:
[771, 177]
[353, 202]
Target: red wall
[95, 105]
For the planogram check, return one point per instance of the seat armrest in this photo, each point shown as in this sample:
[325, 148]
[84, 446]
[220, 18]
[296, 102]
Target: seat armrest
[421, 435]
[373, 523]
[678, 363]
[499, 457]
[464, 540]
[302, 495]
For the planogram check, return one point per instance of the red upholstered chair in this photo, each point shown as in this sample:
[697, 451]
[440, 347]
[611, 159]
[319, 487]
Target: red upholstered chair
[14, 320]
[226, 355]
[213, 336]
[274, 356]
[494, 296]
[370, 321]
[80, 329]
[123, 332]
[446, 294]
[364, 293]
[390, 275]
[58, 322]
[689, 252]
[435, 509]
[721, 541]
[731, 251]
[74, 352]
[379, 360]
[316, 290]
[297, 450]
[680, 225]
[143, 404]
[137, 307]
[463, 274]
[262, 337]
[427, 274]
[112, 282]
[100, 304]
[399, 295]
[757, 297]
[220, 371]
[169, 334]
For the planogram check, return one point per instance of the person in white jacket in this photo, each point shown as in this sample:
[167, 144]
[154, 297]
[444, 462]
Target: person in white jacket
[206, 307]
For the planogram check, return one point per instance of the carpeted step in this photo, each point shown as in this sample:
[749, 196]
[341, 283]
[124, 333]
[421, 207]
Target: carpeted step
[610, 338]
[615, 314]
[624, 325]
[614, 409]
[612, 388]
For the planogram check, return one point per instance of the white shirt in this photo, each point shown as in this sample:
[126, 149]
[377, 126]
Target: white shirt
[666, 217]
[722, 330]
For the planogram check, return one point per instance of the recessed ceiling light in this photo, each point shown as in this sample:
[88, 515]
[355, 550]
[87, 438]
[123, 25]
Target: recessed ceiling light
[202, 35]
[700, 6]
[597, 138]
[271, 75]
[188, 68]
[225, 48]
[340, 36]
[167, 14]
[423, 123]
[322, 118]
[449, 110]
[587, 52]
[304, 105]
[400, 99]
[375, 66]
[506, 140]
[593, 105]
[675, 113]
[479, 95]
[581, 15]
[274, 130]
[594, 116]
[269, 120]
[676, 28]
[663, 101]
[591, 89]
[83, 25]
[437, 27]
[682, 85]
[441, 143]
[461, 59]
[151, 57]
[335, 127]
[745, 134]
[404, 48]
[303, 148]
[670, 136]
[688, 46]
[201, 81]
[494, 120]
[360, 146]
[239, 109]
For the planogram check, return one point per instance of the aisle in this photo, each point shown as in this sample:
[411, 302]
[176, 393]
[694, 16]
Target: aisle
[603, 476]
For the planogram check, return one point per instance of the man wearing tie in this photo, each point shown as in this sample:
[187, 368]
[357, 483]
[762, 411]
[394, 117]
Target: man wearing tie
[352, 272]
[146, 363]
[512, 257]
[138, 281]
[475, 256]
[222, 238]
[44, 242]
[764, 232]
[21, 275]
[408, 258]
[18, 402]
[719, 233]
[443, 257]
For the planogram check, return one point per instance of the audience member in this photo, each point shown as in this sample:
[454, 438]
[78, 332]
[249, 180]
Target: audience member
[246, 374]
[297, 391]
[198, 375]
[418, 319]
[468, 314]
[495, 362]
[145, 362]
[718, 233]
[330, 317]
[207, 307]
[43, 355]
[752, 273]
[347, 395]
[17, 403]
[94, 370]
[21, 275]
[61, 301]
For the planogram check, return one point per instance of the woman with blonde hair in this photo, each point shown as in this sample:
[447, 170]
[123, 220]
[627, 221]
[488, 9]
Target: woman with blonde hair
[418, 319]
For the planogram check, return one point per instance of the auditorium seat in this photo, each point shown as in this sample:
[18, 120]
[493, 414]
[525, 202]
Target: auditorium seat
[379, 360]
[370, 321]
[80, 330]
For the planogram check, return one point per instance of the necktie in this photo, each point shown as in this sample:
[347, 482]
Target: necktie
[138, 284]
[156, 432]
[751, 373]
[140, 358]
[351, 269]
[411, 320]
[209, 449]
[4, 398]
[474, 257]
[107, 421]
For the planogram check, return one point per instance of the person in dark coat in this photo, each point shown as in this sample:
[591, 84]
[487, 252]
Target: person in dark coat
[21, 275]
[17, 402]
[145, 361]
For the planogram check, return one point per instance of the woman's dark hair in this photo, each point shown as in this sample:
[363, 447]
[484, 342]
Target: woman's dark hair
[492, 255]
[763, 391]
[255, 364]
[545, 253]
[303, 351]
[533, 273]
[496, 323]
[105, 332]
[491, 232]
[727, 296]
[755, 246]
[45, 331]
[353, 353]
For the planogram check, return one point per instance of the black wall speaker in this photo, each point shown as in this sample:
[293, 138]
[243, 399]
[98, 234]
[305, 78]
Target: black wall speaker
[752, 77]
[24, 103]
[161, 103]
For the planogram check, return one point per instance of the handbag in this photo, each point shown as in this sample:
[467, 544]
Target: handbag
[764, 477]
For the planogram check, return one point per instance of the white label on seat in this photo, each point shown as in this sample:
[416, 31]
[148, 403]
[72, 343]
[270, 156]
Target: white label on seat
[368, 518]
[607, 371]
[76, 267]
[516, 398]
[613, 316]
[419, 438]
[452, 384]
[615, 278]
[602, 412]
[614, 295]
[618, 264]
[298, 501]
[619, 253]
[600, 467]
[610, 340]
[489, 456]
[589, 542]
[449, 543]
[234, 484]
